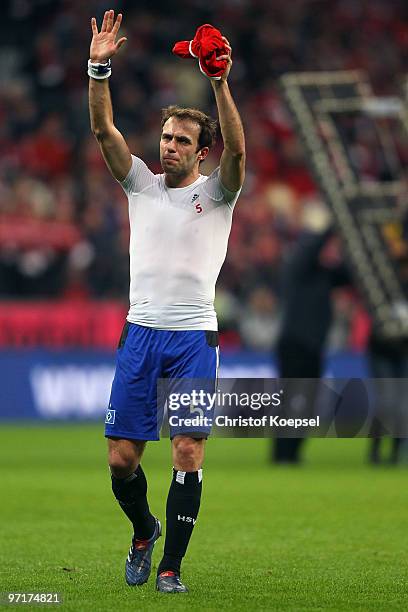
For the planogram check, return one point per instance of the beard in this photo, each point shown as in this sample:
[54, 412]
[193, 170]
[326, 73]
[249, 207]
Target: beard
[174, 168]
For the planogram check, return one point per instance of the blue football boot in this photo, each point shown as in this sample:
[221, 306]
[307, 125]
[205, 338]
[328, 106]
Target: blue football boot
[169, 582]
[139, 561]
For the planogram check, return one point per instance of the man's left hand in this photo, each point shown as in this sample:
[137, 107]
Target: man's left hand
[224, 77]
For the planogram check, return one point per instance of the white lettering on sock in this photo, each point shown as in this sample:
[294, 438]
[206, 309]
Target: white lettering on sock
[186, 519]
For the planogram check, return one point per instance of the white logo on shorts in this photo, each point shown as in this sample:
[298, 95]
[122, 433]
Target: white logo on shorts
[110, 416]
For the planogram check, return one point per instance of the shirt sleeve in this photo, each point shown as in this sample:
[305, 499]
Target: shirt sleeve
[215, 190]
[139, 177]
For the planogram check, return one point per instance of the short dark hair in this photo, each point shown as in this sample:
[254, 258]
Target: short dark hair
[208, 125]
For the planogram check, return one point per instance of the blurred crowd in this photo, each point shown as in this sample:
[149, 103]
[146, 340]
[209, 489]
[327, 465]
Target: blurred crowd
[63, 219]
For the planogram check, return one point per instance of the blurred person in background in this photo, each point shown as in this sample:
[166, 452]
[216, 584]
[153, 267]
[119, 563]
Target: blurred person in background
[313, 269]
[388, 357]
[180, 223]
[388, 360]
[259, 322]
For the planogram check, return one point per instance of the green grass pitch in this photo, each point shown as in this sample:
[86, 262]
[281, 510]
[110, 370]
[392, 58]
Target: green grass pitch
[329, 535]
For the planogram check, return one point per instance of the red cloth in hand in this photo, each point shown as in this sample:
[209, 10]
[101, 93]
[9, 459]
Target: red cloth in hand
[206, 45]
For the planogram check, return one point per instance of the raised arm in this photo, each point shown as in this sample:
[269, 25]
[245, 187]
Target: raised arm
[103, 46]
[232, 165]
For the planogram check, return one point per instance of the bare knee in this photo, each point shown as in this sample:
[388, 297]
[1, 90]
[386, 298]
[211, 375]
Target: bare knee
[124, 456]
[188, 454]
[121, 464]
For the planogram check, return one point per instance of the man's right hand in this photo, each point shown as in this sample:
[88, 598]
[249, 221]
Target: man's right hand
[103, 45]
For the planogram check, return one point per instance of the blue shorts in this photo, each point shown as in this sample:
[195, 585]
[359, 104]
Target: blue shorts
[146, 355]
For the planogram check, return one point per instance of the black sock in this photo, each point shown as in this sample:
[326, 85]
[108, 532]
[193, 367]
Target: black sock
[183, 504]
[131, 493]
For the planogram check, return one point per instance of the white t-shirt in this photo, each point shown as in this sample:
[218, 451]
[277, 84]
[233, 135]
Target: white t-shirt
[178, 243]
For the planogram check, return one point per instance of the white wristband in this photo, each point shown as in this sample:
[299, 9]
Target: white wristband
[99, 71]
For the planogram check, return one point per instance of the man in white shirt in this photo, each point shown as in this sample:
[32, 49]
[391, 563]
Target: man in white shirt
[180, 223]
